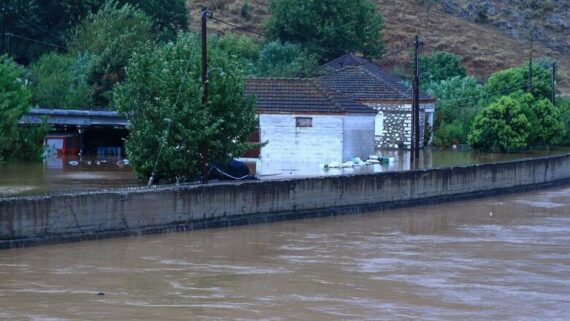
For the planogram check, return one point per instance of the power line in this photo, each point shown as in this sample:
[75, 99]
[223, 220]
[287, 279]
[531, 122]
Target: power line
[235, 26]
[34, 40]
[167, 132]
[511, 90]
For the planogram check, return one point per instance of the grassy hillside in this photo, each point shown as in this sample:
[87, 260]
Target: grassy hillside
[498, 42]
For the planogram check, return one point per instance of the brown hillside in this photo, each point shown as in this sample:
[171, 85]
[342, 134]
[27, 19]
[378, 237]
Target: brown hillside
[485, 48]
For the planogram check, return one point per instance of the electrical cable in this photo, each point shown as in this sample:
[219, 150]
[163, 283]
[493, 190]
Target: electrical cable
[8, 34]
[235, 26]
[167, 132]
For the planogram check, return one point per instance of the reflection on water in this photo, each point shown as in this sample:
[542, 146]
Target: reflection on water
[71, 173]
[429, 158]
[504, 258]
[63, 173]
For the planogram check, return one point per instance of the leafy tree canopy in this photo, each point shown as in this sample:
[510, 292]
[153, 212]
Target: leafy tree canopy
[457, 104]
[111, 35]
[546, 125]
[285, 60]
[514, 80]
[440, 66]
[59, 81]
[16, 142]
[563, 106]
[239, 47]
[500, 126]
[329, 28]
[162, 97]
[169, 16]
[51, 22]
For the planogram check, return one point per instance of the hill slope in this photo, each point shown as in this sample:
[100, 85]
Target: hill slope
[489, 35]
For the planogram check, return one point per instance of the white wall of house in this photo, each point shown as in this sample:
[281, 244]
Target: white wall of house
[358, 136]
[323, 142]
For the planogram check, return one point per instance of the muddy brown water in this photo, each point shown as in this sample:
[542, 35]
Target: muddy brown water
[57, 174]
[501, 258]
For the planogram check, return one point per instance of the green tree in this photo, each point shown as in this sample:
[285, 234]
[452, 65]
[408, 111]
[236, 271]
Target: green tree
[547, 127]
[329, 28]
[239, 47]
[111, 35]
[59, 81]
[162, 97]
[501, 126]
[457, 105]
[16, 142]
[169, 16]
[47, 21]
[440, 66]
[516, 80]
[564, 108]
[285, 60]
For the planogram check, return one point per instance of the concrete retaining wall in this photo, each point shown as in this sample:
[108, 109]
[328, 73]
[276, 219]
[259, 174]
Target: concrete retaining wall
[40, 220]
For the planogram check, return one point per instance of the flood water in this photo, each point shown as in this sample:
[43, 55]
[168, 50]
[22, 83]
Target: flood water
[502, 258]
[61, 174]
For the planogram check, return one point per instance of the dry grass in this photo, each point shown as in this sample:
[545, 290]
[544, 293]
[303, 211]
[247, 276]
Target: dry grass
[484, 48]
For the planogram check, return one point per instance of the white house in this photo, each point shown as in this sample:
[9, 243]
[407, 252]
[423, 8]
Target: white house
[368, 84]
[302, 121]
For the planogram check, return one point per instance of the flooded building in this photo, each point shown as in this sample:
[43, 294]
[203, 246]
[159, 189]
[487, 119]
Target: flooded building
[368, 84]
[302, 121]
[81, 131]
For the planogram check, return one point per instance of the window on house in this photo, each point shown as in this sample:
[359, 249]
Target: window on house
[379, 124]
[303, 122]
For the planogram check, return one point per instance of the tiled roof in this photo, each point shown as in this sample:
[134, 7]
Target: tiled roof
[300, 96]
[361, 79]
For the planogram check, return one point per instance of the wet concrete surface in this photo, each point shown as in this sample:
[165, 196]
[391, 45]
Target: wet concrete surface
[502, 258]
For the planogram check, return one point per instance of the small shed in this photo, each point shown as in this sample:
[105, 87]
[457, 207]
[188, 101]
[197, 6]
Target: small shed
[303, 121]
[368, 84]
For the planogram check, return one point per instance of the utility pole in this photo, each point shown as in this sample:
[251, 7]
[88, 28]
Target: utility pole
[553, 84]
[204, 144]
[415, 144]
[529, 87]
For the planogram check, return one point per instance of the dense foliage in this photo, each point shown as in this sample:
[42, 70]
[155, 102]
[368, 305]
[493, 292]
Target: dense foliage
[457, 105]
[285, 60]
[60, 81]
[162, 97]
[501, 126]
[440, 66]
[563, 106]
[516, 79]
[169, 16]
[49, 23]
[329, 28]
[111, 35]
[16, 142]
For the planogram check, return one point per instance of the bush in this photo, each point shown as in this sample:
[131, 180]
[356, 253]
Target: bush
[547, 127]
[501, 126]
